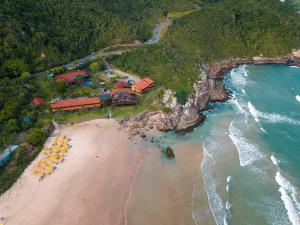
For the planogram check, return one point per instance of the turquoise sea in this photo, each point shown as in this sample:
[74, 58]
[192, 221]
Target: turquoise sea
[251, 164]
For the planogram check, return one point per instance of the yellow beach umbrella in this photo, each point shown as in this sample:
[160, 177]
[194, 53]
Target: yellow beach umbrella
[41, 174]
[61, 159]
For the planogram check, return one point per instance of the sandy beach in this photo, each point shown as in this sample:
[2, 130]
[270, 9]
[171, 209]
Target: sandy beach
[163, 189]
[90, 187]
[109, 180]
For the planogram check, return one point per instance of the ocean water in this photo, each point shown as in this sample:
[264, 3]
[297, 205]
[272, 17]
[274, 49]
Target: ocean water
[251, 164]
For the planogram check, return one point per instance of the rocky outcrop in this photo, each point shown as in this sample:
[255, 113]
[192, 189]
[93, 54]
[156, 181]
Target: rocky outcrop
[184, 118]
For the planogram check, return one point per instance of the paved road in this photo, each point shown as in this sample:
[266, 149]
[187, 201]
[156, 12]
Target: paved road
[105, 52]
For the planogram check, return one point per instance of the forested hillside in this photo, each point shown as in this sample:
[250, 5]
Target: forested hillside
[35, 35]
[50, 32]
[220, 30]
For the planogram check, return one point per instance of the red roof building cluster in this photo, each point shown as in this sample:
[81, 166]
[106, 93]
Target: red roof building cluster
[121, 84]
[38, 101]
[75, 104]
[71, 77]
[143, 86]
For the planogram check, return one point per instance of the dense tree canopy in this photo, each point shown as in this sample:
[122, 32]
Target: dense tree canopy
[220, 30]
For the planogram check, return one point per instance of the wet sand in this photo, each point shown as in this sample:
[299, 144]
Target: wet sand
[163, 189]
[90, 187]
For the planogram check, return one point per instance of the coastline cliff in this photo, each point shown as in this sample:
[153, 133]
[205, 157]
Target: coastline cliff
[184, 118]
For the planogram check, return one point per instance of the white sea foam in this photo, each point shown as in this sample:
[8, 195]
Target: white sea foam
[245, 70]
[253, 111]
[229, 178]
[289, 198]
[296, 67]
[274, 160]
[248, 152]
[297, 98]
[243, 91]
[263, 130]
[270, 117]
[214, 199]
[228, 205]
[235, 102]
[238, 76]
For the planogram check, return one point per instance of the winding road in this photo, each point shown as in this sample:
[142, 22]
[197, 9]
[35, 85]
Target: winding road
[105, 52]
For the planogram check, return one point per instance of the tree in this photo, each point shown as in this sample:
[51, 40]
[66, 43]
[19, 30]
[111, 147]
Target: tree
[61, 86]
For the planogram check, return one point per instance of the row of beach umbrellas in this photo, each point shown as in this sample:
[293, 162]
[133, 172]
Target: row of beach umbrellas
[52, 156]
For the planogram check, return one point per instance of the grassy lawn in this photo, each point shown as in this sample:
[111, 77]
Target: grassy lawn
[148, 102]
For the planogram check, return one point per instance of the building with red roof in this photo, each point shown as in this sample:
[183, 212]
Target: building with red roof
[37, 101]
[121, 84]
[76, 104]
[72, 76]
[120, 90]
[143, 86]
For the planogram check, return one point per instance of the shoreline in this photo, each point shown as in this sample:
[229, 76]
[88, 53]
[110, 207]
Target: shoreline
[185, 118]
[108, 182]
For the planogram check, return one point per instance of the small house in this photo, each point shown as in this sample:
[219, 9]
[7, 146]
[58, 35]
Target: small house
[123, 96]
[72, 77]
[143, 86]
[121, 84]
[38, 101]
[106, 99]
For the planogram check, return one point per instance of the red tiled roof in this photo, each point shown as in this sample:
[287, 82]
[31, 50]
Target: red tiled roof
[75, 102]
[70, 76]
[121, 84]
[121, 90]
[148, 80]
[141, 85]
[38, 101]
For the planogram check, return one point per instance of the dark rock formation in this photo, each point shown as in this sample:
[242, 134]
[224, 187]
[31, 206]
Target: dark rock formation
[184, 118]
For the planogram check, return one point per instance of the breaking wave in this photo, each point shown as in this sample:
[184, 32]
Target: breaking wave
[215, 202]
[274, 160]
[270, 117]
[289, 198]
[248, 152]
[238, 76]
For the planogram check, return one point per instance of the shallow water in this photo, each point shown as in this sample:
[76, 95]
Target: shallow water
[250, 171]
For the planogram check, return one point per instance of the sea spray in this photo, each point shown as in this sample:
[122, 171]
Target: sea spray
[248, 152]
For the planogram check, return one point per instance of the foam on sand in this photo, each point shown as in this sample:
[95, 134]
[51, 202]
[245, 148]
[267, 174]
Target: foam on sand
[248, 152]
[289, 198]
[270, 117]
[215, 202]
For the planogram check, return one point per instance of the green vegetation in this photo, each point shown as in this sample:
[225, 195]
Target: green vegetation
[40, 35]
[10, 172]
[220, 30]
[176, 15]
